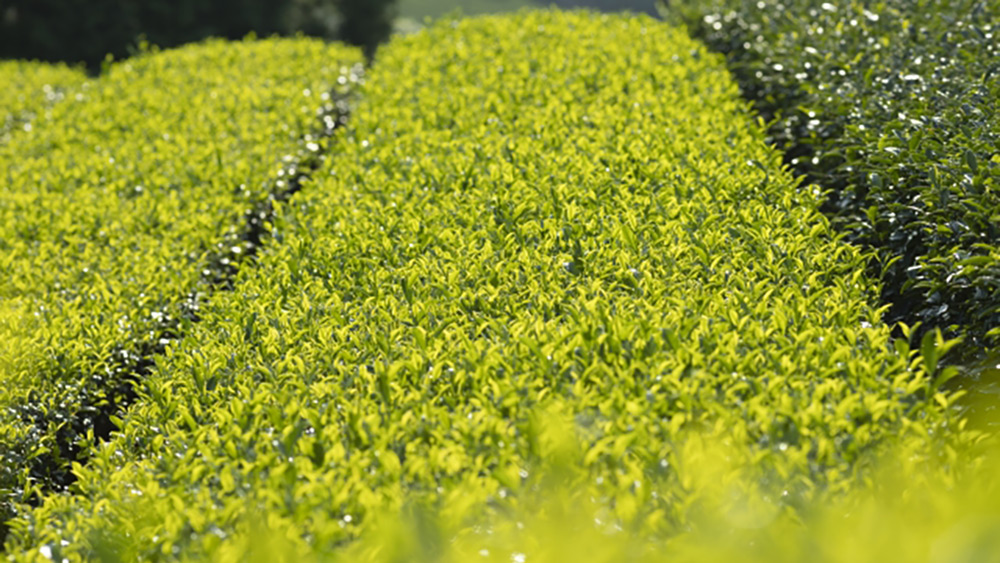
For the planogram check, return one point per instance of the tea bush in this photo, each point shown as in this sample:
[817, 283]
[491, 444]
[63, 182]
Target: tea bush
[892, 107]
[29, 88]
[112, 206]
[547, 244]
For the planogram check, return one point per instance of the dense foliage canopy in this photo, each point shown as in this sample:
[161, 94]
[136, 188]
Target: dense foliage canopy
[533, 287]
[891, 106]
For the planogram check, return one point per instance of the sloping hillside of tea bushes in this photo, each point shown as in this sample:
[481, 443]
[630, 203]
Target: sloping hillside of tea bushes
[891, 106]
[121, 207]
[550, 242]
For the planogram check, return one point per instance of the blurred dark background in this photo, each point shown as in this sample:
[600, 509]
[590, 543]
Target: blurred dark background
[419, 9]
[86, 31]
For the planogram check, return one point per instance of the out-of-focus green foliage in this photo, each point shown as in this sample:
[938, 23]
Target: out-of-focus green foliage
[27, 88]
[366, 23]
[109, 208]
[904, 514]
[893, 107]
[88, 30]
[420, 9]
[548, 245]
[642, 6]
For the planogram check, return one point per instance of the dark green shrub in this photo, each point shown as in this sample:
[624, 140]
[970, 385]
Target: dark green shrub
[892, 106]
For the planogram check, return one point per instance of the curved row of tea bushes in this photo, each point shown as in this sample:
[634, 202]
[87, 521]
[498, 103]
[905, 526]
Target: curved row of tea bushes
[27, 88]
[109, 206]
[538, 230]
[893, 107]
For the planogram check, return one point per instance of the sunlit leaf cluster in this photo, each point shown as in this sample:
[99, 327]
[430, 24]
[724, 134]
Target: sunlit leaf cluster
[549, 244]
[29, 88]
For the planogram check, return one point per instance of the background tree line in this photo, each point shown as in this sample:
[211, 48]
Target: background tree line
[88, 30]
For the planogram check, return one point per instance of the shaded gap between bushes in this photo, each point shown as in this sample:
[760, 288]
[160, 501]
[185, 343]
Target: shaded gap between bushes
[104, 397]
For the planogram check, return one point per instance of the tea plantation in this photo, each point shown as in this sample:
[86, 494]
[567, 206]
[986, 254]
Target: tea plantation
[532, 287]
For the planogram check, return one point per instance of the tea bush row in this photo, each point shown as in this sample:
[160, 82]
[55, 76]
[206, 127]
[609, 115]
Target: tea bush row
[548, 243]
[29, 88]
[892, 107]
[112, 205]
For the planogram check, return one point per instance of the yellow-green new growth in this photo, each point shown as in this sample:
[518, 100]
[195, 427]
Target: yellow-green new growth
[108, 206]
[28, 88]
[552, 264]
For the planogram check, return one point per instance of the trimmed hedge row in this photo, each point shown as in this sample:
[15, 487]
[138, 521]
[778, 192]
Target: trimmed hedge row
[27, 88]
[892, 106]
[527, 233]
[119, 213]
